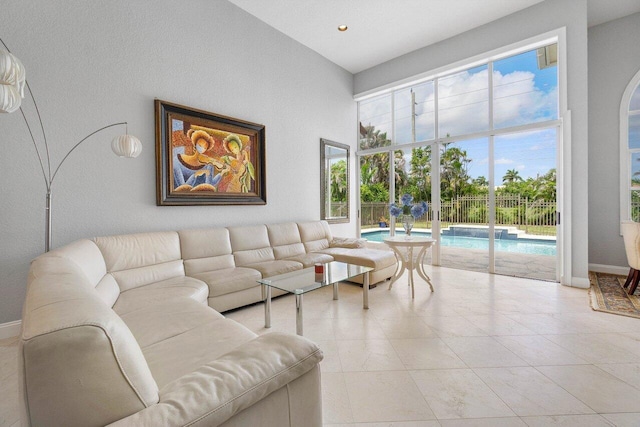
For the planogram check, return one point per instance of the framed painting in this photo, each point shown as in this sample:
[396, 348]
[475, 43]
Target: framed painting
[204, 158]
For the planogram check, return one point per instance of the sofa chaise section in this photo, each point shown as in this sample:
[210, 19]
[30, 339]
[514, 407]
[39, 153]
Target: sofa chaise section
[317, 238]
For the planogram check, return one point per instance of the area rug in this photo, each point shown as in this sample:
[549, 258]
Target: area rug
[608, 295]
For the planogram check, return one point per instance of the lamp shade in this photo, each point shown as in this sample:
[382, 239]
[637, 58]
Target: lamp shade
[126, 146]
[12, 81]
[10, 99]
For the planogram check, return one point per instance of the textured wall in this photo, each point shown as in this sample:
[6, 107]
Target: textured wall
[536, 20]
[614, 58]
[92, 63]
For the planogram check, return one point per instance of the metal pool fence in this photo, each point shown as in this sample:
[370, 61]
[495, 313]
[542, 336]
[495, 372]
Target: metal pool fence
[533, 216]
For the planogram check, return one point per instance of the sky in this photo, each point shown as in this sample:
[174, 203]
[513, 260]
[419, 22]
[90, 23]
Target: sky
[522, 94]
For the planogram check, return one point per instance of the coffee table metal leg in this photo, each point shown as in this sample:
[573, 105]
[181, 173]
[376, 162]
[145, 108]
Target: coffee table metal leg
[365, 291]
[299, 314]
[335, 291]
[267, 306]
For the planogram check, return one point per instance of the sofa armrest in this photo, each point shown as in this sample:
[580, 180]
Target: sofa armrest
[222, 388]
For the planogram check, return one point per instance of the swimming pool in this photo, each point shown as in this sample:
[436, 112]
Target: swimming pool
[523, 246]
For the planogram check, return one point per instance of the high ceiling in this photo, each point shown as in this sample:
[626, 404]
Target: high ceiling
[380, 30]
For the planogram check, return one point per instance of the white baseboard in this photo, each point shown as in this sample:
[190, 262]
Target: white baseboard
[10, 329]
[580, 282]
[610, 269]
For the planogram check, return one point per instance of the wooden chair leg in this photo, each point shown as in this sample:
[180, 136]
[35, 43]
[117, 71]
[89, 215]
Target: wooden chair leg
[629, 277]
[634, 282]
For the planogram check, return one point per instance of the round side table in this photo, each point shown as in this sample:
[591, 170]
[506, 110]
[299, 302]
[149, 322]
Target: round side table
[406, 259]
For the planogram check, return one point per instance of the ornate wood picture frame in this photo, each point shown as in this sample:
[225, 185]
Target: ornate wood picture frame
[204, 158]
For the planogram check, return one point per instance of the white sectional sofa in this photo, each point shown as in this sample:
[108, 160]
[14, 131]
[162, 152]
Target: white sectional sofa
[126, 330]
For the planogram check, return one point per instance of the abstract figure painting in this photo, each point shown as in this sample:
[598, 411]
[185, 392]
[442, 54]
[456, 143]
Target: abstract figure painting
[208, 159]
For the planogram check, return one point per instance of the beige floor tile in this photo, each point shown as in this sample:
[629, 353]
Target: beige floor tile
[484, 422]
[386, 396]
[567, 421]
[368, 355]
[408, 327]
[426, 353]
[336, 407]
[350, 329]
[598, 389]
[624, 420]
[459, 393]
[433, 423]
[594, 348]
[527, 392]
[627, 372]
[9, 405]
[331, 361]
[547, 323]
[628, 341]
[483, 352]
[453, 326]
[8, 361]
[497, 324]
[538, 350]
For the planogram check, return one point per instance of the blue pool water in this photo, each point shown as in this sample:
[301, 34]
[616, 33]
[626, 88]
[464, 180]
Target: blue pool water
[523, 246]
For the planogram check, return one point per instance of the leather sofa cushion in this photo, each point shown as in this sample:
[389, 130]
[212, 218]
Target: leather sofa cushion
[158, 322]
[374, 258]
[182, 354]
[140, 259]
[206, 250]
[160, 292]
[204, 243]
[308, 260]
[245, 379]
[135, 277]
[285, 240]
[139, 250]
[250, 245]
[273, 268]
[229, 280]
[315, 235]
[288, 251]
[201, 265]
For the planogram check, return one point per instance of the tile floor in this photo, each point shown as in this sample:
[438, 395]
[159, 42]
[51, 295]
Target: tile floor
[483, 350]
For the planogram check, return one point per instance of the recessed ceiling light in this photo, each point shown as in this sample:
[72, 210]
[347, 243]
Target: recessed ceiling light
[342, 28]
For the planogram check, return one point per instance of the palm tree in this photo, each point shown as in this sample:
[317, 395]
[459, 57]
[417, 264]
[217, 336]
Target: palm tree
[481, 181]
[378, 163]
[510, 176]
[338, 178]
[454, 165]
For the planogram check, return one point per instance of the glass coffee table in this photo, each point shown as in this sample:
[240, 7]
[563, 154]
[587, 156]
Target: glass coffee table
[302, 281]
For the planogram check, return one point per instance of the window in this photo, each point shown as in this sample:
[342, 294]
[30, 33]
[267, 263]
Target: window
[630, 152]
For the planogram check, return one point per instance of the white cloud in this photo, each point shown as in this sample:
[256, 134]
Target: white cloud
[503, 161]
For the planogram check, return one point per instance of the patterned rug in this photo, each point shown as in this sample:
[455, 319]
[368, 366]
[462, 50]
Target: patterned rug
[608, 295]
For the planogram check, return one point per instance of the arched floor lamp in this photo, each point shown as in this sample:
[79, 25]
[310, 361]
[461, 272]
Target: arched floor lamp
[12, 87]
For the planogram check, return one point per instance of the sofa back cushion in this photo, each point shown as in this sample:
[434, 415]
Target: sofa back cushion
[315, 235]
[285, 240]
[68, 330]
[86, 256]
[250, 244]
[205, 250]
[139, 259]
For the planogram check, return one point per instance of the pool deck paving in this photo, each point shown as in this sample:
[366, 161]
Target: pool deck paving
[541, 267]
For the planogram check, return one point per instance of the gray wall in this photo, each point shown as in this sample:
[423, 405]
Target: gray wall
[614, 58]
[94, 63]
[536, 20]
